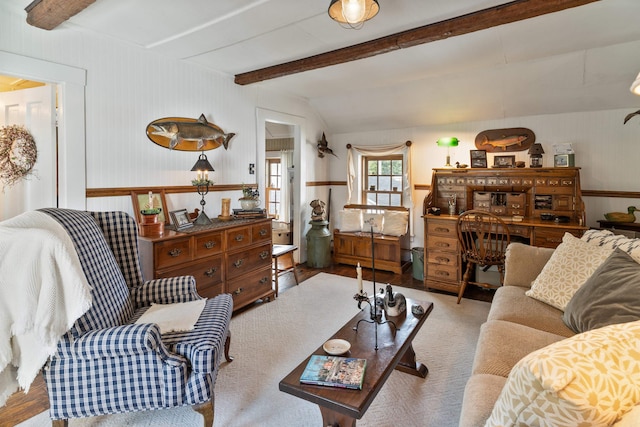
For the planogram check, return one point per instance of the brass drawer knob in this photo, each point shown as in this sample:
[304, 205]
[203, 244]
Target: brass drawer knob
[263, 232]
[210, 272]
[264, 254]
[238, 263]
[237, 291]
[175, 252]
[263, 280]
[210, 244]
[239, 238]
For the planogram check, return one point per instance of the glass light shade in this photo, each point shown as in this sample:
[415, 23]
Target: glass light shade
[635, 87]
[353, 13]
[448, 142]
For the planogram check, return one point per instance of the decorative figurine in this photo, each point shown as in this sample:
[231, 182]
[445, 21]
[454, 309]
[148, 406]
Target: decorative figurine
[630, 216]
[318, 212]
[394, 302]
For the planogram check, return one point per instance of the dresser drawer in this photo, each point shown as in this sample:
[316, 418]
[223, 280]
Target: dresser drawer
[519, 230]
[441, 227]
[208, 244]
[207, 272]
[261, 232]
[445, 243]
[239, 263]
[238, 237]
[442, 258]
[442, 272]
[172, 252]
[551, 237]
[210, 291]
[250, 287]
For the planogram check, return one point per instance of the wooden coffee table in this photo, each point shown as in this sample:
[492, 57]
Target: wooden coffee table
[342, 407]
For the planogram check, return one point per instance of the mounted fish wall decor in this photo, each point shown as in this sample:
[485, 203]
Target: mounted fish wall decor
[503, 140]
[184, 134]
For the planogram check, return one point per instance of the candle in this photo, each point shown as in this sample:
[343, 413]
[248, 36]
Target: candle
[206, 175]
[150, 200]
[226, 207]
[359, 276]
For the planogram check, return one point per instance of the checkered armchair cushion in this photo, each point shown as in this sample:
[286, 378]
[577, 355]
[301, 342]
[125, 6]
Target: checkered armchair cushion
[106, 363]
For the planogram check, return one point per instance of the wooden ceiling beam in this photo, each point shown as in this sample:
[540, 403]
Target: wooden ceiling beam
[476, 21]
[48, 14]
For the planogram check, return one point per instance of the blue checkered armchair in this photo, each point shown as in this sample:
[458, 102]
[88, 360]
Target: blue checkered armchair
[107, 364]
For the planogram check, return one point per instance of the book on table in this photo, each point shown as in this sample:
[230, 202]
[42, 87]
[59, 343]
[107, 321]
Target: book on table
[335, 371]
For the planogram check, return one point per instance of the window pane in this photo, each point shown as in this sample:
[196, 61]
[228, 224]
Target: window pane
[395, 200]
[371, 199]
[385, 167]
[384, 183]
[397, 167]
[383, 199]
[373, 181]
[373, 167]
[396, 182]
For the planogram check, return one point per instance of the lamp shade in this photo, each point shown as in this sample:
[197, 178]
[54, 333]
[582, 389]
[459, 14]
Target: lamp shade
[353, 13]
[635, 86]
[448, 142]
[536, 150]
[202, 164]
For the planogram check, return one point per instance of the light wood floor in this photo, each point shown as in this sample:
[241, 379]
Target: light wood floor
[21, 407]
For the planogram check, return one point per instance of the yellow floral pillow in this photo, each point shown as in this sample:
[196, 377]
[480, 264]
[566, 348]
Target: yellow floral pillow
[591, 379]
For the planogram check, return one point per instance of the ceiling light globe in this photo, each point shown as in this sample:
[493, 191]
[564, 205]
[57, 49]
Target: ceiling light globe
[353, 10]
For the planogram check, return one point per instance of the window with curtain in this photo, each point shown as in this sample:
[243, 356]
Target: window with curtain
[274, 181]
[382, 180]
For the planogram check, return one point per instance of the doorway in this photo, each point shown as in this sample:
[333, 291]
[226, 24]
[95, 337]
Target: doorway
[293, 172]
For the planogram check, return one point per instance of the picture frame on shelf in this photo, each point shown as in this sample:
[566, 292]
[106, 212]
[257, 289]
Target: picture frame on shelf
[563, 160]
[478, 158]
[504, 161]
[180, 219]
[140, 201]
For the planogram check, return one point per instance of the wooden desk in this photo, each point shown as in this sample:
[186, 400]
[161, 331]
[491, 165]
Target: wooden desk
[342, 407]
[443, 265]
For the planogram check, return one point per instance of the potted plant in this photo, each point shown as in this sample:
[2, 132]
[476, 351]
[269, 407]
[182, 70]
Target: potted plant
[250, 198]
[149, 212]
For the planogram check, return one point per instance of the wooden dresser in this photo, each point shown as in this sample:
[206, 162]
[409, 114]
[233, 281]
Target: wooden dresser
[228, 257]
[526, 192]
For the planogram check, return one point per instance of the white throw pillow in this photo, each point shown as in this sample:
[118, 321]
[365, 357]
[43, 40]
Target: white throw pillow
[350, 220]
[607, 239]
[375, 219]
[395, 223]
[590, 379]
[571, 264]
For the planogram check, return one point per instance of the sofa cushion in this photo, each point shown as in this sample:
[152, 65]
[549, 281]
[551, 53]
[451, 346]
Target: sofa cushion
[570, 265]
[372, 219]
[350, 220]
[611, 295]
[607, 239]
[480, 394]
[589, 379]
[523, 263]
[502, 344]
[395, 223]
[511, 304]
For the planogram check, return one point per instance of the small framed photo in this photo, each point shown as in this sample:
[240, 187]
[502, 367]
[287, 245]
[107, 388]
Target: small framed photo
[564, 160]
[180, 219]
[504, 161]
[478, 158]
[145, 198]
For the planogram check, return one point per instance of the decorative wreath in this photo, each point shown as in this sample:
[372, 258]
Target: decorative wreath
[18, 153]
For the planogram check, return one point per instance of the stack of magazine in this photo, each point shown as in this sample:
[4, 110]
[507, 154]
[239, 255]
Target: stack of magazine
[249, 213]
[335, 371]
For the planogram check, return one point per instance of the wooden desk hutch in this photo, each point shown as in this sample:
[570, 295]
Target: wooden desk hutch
[519, 192]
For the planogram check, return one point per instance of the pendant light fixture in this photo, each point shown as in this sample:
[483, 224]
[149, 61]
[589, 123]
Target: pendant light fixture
[353, 13]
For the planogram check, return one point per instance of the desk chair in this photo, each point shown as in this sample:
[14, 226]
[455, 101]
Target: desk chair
[286, 253]
[484, 238]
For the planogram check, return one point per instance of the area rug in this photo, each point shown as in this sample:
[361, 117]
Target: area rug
[269, 340]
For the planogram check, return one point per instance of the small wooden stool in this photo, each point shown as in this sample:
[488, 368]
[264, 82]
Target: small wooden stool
[285, 251]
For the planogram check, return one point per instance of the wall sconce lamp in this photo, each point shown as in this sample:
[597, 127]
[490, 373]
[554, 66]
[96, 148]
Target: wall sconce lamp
[535, 153]
[635, 86]
[353, 13]
[448, 142]
[202, 182]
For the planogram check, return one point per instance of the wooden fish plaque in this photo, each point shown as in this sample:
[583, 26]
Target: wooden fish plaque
[184, 134]
[505, 140]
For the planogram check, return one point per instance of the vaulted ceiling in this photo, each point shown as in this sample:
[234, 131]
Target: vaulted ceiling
[583, 58]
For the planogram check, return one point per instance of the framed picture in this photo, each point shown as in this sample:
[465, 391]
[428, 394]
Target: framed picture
[563, 160]
[478, 158]
[145, 197]
[504, 161]
[180, 219]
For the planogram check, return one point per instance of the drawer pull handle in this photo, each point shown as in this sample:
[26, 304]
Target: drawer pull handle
[210, 272]
[238, 263]
[237, 291]
[239, 238]
[264, 255]
[442, 230]
[209, 244]
[442, 273]
[442, 259]
[175, 252]
[263, 232]
[442, 245]
[263, 280]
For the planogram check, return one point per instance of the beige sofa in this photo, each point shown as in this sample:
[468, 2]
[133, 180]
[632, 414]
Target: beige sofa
[516, 326]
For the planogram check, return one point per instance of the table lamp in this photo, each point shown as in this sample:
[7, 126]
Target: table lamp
[535, 153]
[448, 142]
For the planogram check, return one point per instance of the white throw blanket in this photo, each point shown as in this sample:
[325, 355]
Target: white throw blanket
[177, 317]
[43, 291]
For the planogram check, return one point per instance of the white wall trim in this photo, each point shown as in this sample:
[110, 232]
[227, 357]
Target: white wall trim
[71, 83]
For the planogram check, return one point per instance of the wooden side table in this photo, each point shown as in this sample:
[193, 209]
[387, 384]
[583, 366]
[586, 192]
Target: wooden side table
[286, 253]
